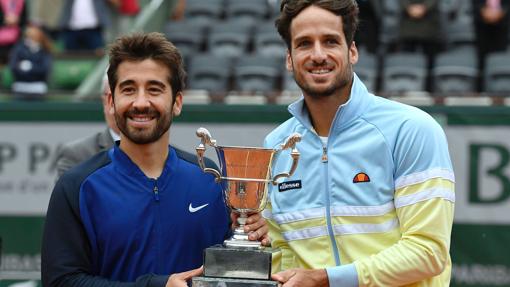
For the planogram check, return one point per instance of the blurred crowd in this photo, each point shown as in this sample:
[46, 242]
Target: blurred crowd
[405, 45]
[474, 29]
[430, 46]
[32, 31]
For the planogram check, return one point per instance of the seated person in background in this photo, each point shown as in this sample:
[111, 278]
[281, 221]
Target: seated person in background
[420, 26]
[30, 63]
[83, 23]
[13, 16]
[491, 22]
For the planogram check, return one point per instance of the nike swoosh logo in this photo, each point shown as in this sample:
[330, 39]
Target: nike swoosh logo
[195, 209]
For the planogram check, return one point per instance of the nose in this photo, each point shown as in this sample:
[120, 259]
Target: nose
[318, 53]
[141, 100]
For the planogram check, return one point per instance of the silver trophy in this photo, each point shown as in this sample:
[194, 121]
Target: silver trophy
[246, 172]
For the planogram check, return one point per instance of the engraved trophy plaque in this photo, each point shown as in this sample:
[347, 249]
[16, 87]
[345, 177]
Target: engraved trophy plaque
[246, 172]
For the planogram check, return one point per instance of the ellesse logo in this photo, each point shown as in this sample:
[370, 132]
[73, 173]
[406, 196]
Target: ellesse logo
[361, 177]
[295, 184]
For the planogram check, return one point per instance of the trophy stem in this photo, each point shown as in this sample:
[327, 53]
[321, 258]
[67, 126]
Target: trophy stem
[240, 237]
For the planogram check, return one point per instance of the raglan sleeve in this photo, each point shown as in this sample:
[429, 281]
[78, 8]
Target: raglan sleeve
[424, 201]
[66, 252]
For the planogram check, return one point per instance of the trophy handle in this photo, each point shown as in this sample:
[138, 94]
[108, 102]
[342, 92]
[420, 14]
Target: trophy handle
[290, 143]
[206, 139]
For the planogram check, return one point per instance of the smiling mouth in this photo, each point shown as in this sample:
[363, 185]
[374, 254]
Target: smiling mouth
[141, 119]
[320, 71]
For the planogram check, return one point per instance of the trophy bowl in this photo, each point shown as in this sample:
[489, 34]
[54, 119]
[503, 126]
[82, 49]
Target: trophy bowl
[245, 174]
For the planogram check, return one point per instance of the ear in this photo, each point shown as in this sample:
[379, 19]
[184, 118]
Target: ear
[353, 53]
[288, 62]
[177, 108]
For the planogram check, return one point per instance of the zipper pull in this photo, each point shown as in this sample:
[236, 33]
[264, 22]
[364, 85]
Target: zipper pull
[156, 192]
[324, 154]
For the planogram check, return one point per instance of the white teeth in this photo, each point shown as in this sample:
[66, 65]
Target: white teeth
[144, 119]
[321, 71]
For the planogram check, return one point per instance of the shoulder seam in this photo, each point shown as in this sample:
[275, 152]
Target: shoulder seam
[189, 157]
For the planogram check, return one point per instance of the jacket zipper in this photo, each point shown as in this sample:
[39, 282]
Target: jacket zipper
[329, 224]
[324, 154]
[157, 227]
[324, 159]
[155, 190]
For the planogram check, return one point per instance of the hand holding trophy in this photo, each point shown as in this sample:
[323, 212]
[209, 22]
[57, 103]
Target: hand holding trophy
[245, 173]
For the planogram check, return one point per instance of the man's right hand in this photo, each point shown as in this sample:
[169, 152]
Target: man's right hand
[180, 279]
[302, 277]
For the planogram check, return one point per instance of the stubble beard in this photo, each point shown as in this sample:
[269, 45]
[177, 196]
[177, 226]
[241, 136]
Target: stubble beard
[144, 136]
[341, 81]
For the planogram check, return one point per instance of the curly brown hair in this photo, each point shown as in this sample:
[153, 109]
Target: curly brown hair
[142, 46]
[347, 9]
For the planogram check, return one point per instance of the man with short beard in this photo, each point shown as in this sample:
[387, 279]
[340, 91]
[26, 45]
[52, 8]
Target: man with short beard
[141, 213]
[371, 201]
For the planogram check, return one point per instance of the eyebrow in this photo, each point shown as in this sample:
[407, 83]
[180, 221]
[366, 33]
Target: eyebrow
[126, 83]
[151, 82]
[157, 83]
[326, 36]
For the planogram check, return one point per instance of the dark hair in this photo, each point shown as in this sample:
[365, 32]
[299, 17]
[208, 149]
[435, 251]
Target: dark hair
[347, 9]
[139, 47]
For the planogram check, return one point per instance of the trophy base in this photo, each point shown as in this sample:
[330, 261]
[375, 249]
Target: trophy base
[230, 282]
[248, 244]
[231, 262]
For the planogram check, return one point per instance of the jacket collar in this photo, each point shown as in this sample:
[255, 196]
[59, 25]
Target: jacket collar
[359, 100]
[125, 165]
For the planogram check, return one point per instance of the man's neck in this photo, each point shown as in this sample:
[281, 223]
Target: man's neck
[150, 158]
[323, 110]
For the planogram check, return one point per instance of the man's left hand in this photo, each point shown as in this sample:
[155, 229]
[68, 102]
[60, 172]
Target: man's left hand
[256, 227]
[181, 279]
[302, 277]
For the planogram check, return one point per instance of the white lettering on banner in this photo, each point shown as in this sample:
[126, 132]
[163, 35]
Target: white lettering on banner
[28, 151]
[480, 157]
[478, 274]
[27, 163]
[27, 158]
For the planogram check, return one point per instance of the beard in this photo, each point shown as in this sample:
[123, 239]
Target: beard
[144, 136]
[341, 80]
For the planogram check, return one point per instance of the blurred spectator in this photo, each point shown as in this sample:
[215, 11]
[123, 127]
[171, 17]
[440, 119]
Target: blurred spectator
[30, 64]
[13, 16]
[83, 23]
[420, 27]
[370, 13]
[75, 152]
[125, 18]
[491, 26]
[177, 12]
[47, 13]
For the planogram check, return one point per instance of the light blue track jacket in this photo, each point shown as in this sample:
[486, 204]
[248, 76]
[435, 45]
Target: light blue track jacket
[375, 205]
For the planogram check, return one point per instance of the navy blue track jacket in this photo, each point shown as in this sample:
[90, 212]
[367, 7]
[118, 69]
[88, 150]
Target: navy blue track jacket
[110, 225]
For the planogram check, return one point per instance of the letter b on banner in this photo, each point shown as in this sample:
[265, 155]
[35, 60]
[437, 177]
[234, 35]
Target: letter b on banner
[495, 172]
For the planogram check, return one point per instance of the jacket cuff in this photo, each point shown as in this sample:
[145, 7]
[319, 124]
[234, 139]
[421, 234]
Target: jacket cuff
[344, 275]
